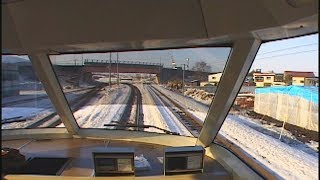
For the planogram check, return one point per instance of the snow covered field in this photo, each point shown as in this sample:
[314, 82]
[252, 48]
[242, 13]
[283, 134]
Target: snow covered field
[30, 111]
[287, 157]
[105, 108]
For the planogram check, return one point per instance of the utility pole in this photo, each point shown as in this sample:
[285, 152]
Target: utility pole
[160, 72]
[82, 59]
[106, 68]
[118, 69]
[110, 71]
[188, 63]
[184, 67]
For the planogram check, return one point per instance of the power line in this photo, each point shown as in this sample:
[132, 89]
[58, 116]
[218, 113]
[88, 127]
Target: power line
[287, 54]
[288, 48]
[219, 61]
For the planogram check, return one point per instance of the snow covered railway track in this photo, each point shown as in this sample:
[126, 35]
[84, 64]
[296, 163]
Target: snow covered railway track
[138, 109]
[133, 113]
[26, 100]
[184, 117]
[194, 124]
[52, 120]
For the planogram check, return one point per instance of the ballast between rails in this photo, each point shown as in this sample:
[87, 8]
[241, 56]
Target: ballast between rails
[221, 140]
[40, 97]
[75, 104]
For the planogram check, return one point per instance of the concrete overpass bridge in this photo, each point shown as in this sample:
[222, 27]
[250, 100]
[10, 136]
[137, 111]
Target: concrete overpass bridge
[164, 74]
[95, 65]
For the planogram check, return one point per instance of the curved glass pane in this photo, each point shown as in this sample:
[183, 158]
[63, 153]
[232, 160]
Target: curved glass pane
[25, 103]
[275, 118]
[142, 90]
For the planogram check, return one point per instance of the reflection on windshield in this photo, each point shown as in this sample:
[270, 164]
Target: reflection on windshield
[141, 91]
[25, 103]
[275, 118]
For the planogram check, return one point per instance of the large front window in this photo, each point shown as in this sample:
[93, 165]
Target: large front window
[278, 125]
[141, 90]
[25, 103]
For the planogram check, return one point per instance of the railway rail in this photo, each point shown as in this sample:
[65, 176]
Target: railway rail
[135, 98]
[75, 104]
[21, 101]
[186, 118]
[194, 125]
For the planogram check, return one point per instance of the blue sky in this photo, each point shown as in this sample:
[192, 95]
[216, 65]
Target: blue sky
[295, 54]
[287, 57]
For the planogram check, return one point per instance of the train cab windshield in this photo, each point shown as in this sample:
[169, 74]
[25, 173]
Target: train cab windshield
[160, 89]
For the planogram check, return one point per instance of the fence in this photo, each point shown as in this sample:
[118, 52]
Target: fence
[212, 89]
[291, 104]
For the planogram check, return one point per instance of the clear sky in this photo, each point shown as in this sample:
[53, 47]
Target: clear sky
[295, 54]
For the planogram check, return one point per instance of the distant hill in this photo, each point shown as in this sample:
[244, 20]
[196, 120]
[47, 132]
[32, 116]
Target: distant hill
[13, 59]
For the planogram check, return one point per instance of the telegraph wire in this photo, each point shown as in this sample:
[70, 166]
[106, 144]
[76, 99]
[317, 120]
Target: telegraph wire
[288, 48]
[287, 54]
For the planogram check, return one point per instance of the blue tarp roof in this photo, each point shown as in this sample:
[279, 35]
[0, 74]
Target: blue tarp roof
[310, 93]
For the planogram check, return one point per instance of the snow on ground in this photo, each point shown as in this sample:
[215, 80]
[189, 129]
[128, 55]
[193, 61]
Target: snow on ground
[289, 162]
[30, 115]
[288, 157]
[33, 110]
[185, 102]
[103, 109]
[33, 92]
[173, 124]
[151, 114]
[12, 112]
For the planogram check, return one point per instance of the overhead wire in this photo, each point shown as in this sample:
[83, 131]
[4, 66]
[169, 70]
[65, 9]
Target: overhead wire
[288, 48]
[288, 54]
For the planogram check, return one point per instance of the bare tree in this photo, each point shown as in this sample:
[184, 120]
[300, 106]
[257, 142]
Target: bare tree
[202, 70]
[201, 66]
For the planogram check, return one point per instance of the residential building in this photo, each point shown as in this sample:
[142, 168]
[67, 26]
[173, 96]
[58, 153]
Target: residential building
[263, 79]
[278, 84]
[298, 81]
[304, 81]
[299, 77]
[311, 81]
[278, 77]
[213, 80]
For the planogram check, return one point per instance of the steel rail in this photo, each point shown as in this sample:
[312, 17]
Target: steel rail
[38, 98]
[76, 103]
[224, 142]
